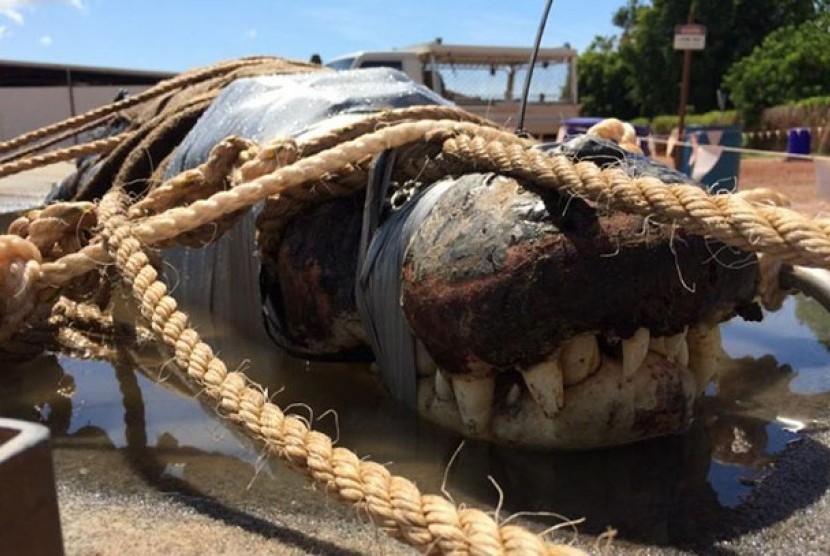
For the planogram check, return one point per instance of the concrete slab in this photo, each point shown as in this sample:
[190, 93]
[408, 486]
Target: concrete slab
[27, 190]
[33, 184]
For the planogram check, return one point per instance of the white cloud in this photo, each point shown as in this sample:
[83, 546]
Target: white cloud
[45, 40]
[13, 9]
[251, 33]
[4, 31]
[12, 14]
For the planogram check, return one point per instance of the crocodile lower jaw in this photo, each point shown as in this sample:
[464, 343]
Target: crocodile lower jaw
[580, 398]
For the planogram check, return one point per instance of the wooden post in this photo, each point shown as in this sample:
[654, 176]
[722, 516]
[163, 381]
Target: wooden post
[684, 93]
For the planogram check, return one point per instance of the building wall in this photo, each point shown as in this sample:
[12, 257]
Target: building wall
[24, 109]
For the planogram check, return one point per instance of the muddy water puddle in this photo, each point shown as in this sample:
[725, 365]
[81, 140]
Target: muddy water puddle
[666, 491]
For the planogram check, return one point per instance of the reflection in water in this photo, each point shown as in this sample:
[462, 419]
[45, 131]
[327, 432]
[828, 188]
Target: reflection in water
[791, 339]
[810, 312]
[676, 490]
[39, 391]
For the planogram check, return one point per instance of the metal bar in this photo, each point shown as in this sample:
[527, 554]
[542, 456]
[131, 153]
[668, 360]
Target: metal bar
[533, 55]
[814, 282]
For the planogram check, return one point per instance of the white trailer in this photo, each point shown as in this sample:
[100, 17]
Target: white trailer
[487, 80]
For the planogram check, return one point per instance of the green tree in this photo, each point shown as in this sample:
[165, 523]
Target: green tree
[792, 63]
[650, 74]
[626, 17]
[604, 79]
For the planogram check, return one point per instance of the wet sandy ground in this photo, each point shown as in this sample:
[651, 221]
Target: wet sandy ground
[794, 178]
[143, 469]
[109, 507]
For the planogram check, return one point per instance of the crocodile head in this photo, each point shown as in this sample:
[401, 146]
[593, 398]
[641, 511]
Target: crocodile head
[541, 319]
[573, 331]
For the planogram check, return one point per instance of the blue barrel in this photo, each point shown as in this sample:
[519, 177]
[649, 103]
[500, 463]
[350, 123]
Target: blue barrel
[578, 126]
[798, 140]
[723, 176]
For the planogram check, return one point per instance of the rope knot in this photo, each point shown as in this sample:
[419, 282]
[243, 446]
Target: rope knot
[19, 272]
[621, 132]
[58, 229]
[266, 159]
[223, 158]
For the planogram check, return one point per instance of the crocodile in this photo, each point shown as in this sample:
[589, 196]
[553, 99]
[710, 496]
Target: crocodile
[498, 309]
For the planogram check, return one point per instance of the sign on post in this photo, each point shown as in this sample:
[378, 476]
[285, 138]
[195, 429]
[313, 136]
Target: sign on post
[689, 37]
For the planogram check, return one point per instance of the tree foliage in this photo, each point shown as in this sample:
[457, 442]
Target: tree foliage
[603, 81]
[792, 63]
[638, 71]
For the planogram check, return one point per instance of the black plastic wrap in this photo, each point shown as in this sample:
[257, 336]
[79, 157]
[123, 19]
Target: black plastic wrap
[264, 108]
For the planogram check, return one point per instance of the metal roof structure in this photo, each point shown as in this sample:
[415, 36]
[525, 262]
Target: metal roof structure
[34, 74]
[467, 54]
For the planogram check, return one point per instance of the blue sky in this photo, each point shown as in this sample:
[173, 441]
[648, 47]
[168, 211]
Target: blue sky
[178, 34]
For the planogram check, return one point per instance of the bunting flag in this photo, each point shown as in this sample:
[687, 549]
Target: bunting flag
[706, 156]
[693, 155]
[714, 136]
[822, 169]
[672, 142]
[780, 133]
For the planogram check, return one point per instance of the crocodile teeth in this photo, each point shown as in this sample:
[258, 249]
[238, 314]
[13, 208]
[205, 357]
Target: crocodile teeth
[658, 345]
[682, 356]
[546, 384]
[474, 396]
[443, 390]
[423, 360]
[513, 394]
[704, 352]
[674, 343]
[579, 357]
[667, 346]
[634, 351]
